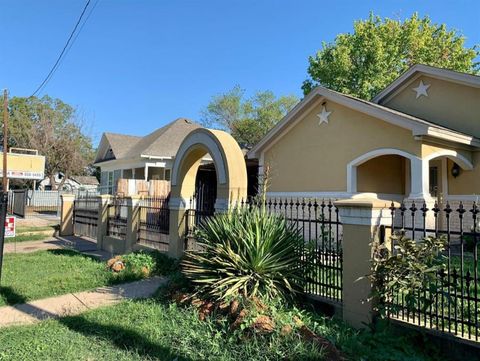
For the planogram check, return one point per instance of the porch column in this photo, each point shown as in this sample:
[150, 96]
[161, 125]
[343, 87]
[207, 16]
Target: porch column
[420, 193]
[419, 179]
[145, 172]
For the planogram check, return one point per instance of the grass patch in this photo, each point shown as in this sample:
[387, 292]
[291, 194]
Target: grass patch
[25, 229]
[154, 330]
[30, 276]
[27, 237]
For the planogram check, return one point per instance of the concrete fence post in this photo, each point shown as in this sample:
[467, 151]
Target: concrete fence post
[133, 222]
[102, 222]
[177, 227]
[361, 220]
[66, 214]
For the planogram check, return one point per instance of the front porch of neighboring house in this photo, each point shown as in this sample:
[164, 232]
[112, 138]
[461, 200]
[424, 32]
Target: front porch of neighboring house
[110, 177]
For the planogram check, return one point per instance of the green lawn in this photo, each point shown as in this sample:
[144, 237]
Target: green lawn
[153, 330]
[31, 276]
[27, 237]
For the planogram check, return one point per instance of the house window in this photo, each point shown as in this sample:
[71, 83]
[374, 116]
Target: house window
[167, 174]
[110, 182]
[433, 181]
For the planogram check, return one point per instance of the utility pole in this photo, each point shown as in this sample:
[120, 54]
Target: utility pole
[4, 194]
[5, 139]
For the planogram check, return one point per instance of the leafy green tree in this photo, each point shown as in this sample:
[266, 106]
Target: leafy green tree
[379, 50]
[54, 129]
[247, 119]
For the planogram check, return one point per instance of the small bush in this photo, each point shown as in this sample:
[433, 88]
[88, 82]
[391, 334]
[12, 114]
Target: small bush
[246, 252]
[412, 266]
[144, 264]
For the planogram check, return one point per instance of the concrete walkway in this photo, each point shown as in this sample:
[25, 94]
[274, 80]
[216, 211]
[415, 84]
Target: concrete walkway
[84, 245]
[75, 303]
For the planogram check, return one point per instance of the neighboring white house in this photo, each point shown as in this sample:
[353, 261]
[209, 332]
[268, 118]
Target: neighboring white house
[144, 158]
[73, 183]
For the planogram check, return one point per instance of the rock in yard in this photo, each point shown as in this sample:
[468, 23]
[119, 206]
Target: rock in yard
[264, 324]
[118, 266]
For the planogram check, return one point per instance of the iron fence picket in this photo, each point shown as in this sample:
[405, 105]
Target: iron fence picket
[452, 304]
[318, 223]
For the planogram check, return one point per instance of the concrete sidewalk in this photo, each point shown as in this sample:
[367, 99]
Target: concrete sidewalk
[84, 245]
[75, 303]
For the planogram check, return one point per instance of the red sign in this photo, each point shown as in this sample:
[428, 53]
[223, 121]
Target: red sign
[10, 226]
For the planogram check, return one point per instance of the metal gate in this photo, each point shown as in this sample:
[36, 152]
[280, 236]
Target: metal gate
[153, 229]
[19, 202]
[85, 216]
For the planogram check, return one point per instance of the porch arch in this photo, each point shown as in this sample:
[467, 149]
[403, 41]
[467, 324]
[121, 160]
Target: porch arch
[227, 158]
[458, 158]
[415, 164]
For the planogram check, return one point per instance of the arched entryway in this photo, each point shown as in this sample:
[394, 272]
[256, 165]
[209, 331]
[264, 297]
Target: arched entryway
[229, 171]
[386, 172]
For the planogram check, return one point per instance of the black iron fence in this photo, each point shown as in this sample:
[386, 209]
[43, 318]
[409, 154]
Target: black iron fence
[117, 218]
[85, 215]
[451, 303]
[317, 221]
[154, 223]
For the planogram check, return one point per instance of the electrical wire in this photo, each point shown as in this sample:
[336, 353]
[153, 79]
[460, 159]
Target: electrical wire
[57, 63]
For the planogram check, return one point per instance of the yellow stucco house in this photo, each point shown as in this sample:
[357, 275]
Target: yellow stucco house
[417, 139]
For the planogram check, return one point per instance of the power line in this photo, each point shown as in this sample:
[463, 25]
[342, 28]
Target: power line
[57, 63]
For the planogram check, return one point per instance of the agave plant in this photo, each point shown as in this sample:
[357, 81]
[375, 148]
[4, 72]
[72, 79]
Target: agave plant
[247, 252]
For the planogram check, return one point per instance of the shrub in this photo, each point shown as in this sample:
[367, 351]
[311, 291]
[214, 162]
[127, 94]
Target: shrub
[246, 252]
[143, 264]
[411, 267]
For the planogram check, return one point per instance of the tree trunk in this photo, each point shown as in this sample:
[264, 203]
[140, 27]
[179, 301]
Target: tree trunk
[52, 182]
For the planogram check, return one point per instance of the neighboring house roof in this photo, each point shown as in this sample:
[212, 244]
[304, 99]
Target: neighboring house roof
[162, 143]
[439, 73]
[419, 127]
[121, 143]
[86, 180]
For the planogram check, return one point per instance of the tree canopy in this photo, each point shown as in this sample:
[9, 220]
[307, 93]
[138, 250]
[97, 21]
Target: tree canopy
[54, 129]
[247, 119]
[364, 62]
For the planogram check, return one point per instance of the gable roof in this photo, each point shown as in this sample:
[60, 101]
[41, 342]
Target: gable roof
[418, 126]
[85, 180]
[161, 143]
[121, 143]
[434, 72]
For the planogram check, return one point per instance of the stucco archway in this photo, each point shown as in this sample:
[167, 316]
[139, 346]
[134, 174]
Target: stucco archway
[415, 164]
[230, 169]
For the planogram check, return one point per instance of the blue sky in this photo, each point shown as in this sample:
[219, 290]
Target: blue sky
[139, 64]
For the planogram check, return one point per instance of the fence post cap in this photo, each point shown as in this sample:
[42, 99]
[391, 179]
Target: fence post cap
[365, 203]
[67, 196]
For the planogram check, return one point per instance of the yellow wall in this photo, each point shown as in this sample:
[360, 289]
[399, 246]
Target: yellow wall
[313, 158]
[449, 104]
[468, 182]
[384, 174]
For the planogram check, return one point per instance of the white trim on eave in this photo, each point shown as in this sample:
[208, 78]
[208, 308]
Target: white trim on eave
[418, 127]
[438, 73]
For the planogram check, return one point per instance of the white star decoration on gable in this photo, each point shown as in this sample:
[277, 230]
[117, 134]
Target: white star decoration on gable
[323, 116]
[421, 89]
